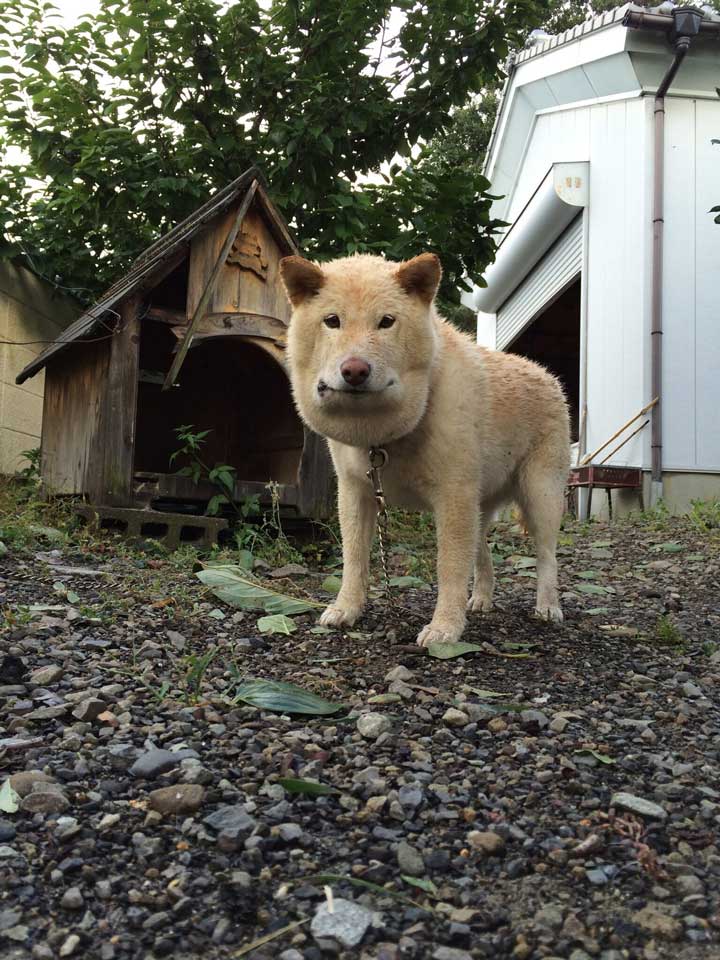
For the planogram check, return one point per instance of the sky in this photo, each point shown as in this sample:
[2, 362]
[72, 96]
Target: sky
[72, 9]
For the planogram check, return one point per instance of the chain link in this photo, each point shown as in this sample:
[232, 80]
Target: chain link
[378, 459]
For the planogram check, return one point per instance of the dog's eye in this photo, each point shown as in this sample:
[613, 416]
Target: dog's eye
[332, 321]
[387, 321]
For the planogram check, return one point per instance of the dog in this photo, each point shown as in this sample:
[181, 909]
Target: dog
[466, 430]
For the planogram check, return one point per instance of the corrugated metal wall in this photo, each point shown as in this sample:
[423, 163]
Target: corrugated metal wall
[557, 269]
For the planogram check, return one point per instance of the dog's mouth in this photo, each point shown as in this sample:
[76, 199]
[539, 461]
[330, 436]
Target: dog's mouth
[324, 388]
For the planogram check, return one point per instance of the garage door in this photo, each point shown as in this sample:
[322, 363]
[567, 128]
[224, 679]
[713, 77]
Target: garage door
[552, 275]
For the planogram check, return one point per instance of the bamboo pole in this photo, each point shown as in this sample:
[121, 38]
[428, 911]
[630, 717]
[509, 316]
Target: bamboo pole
[634, 433]
[591, 456]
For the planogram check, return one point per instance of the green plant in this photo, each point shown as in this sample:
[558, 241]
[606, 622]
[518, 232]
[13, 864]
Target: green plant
[31, 473]
[705, 514]
[667, 633]
[196, 666]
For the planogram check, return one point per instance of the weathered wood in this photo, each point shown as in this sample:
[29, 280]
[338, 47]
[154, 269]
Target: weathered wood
[74, 391]
[113, 447]
[236, 324]
[163, 315]
[316, 479]
[159, 485]
[209, 289]
[277, 225]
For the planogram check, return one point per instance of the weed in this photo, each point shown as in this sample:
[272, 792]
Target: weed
[667, 633]
[705, 514]
[195, 669]
[656, 517]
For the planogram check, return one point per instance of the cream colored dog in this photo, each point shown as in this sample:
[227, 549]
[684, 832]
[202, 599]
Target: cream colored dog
[467, 430]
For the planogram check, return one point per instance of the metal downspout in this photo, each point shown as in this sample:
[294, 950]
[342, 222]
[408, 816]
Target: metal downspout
[682, 45]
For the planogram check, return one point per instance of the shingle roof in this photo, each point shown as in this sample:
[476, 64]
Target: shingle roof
[146, 267]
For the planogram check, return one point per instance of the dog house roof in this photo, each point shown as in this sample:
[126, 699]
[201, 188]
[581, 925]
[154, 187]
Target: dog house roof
[146, 267]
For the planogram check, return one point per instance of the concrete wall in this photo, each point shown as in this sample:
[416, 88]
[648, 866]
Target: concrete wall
[29, 310]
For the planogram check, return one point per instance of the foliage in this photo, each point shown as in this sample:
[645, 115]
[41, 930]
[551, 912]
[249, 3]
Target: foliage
[125, 121]
[221, 475]
[705, 514]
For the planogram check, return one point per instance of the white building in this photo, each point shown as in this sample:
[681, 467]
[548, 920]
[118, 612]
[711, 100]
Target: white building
[574, 159]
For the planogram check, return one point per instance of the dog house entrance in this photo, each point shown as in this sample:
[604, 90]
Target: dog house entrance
[227, 386]
[553, 340]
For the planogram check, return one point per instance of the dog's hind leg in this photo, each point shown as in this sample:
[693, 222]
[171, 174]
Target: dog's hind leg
[456, 519]
[481, 599]
[358, 512]
[541, 496]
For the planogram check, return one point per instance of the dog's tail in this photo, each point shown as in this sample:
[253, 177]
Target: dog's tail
[519, 518]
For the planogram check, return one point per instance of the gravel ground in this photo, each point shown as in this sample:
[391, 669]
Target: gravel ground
[554, 795]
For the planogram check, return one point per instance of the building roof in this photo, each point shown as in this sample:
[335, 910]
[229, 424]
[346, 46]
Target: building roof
[152, 260]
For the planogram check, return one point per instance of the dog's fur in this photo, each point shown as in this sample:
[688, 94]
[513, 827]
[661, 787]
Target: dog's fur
[467, 430]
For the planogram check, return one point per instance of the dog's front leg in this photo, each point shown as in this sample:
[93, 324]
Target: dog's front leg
[358, 512]
[456, 521]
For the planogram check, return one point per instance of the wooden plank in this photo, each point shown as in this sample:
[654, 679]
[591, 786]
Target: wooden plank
[242, 324]
[277, 225]
[74, 390]
[174, 487]
[316, 479]
[210, 286]
[113, 447]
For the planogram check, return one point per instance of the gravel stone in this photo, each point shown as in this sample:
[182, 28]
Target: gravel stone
[156, 762]
[373, 725]
[348, 923]
[182, 798]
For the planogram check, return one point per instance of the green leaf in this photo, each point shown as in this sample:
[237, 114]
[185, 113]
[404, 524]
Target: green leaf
[3, 549]
[72, 597]
[217, 614]
[600, 757]
[421, 883]
[231, 584]
[588, 574]
[9, 799]
[447, 651]
[277, 623]
[597, 611]
[245, 559]
[331, 585]
[405, 582]
[672, 547]
[593, 588]
[329, 878]
[309, 788]
[284, 698]
[385, 698]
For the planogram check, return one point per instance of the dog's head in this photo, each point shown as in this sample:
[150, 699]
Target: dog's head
[362, 341]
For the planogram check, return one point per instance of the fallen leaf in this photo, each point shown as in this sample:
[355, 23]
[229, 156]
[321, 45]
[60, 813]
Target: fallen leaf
[446, 651]
[309, 788]
[422, 884]
[284, 698]
[9, 799]
[600, 757]
[278, 623]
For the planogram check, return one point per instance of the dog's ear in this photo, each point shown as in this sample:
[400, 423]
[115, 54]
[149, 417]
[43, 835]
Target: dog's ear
[301, 279]
[420, 277]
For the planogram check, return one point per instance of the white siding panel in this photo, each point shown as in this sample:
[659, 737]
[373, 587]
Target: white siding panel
[560, 265]
[707, 301]
[679, 348]
[617, 280]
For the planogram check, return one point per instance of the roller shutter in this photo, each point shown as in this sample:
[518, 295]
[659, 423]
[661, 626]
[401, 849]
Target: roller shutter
[552, 275]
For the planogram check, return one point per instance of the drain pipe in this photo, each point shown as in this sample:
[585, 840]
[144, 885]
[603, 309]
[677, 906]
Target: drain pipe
[685, 24]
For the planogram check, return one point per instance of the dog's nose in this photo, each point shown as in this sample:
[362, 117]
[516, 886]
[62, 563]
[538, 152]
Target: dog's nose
[355, 371]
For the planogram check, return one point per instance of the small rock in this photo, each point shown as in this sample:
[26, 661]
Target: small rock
[373, 725]
[399, 673]
[90, 709]
[70, 945]
[455, 718]
[348, 923]
[645, 808]
[410, 860]
[290, 832]
[486, 841]
[23, 782]
[497, 725]
[44, 676]
[233, 825]
[689, 885]
[534, 719]
[183, 798]
[451, 953]
[654, 918]
[45, 801]
[155, 762]
[72, 899]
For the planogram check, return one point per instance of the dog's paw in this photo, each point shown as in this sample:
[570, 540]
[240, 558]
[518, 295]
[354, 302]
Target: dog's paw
[430, 634]
[335, 616]
[551, 614]
[479, 604]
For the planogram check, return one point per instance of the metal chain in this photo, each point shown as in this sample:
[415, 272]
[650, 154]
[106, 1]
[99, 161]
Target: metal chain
[378, 459]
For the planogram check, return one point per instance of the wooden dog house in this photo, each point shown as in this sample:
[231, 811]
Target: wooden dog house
[193, 334]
